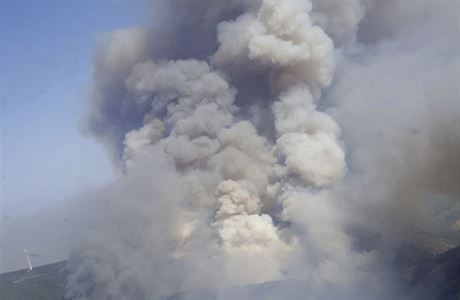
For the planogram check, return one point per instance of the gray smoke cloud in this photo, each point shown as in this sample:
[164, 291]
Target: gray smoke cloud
[270, 140]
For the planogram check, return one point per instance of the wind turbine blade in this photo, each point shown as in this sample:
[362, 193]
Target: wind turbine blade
[28, 259]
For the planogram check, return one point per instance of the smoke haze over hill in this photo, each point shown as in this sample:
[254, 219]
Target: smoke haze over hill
[271, 140]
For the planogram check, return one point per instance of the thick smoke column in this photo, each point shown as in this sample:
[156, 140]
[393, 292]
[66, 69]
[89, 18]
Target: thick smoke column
[233, 170]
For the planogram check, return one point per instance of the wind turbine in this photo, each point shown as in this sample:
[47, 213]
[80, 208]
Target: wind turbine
[28, 259]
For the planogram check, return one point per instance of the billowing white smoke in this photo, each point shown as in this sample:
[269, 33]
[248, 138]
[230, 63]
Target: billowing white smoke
[231, 172]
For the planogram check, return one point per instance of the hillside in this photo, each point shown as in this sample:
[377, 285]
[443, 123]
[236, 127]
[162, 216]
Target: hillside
[42, 283]
[440, 274]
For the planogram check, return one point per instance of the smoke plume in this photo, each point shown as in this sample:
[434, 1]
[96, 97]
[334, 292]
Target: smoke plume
[270, 140]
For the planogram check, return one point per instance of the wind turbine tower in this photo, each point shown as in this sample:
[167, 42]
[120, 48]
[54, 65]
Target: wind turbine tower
[28, 259]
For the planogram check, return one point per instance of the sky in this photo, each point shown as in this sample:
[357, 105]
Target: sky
[46, 51]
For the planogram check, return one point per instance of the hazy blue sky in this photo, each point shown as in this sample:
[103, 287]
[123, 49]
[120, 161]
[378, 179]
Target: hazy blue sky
[45, 62]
